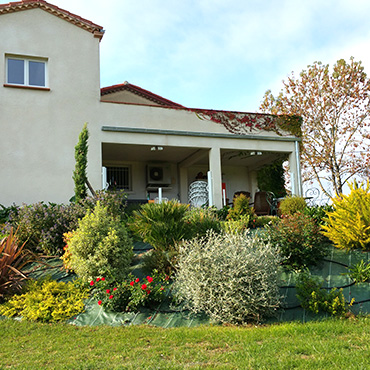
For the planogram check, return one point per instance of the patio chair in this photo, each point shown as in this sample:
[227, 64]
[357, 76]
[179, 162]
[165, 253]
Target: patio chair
[264, 203]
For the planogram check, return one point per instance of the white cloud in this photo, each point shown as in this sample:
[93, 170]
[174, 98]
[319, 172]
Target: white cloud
[218, 54]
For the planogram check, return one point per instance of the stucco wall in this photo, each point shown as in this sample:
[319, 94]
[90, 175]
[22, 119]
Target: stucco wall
[40, 128]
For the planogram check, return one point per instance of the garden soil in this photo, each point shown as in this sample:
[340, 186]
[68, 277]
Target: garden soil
[333, 270]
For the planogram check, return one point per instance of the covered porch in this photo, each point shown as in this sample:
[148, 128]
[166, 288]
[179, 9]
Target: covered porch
[172, 160]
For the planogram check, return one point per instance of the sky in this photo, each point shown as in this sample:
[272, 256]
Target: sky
[218, 54]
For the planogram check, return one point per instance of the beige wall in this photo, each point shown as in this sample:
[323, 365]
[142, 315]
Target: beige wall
[39, 129]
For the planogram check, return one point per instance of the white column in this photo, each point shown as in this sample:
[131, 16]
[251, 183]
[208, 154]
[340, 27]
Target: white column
[295, 170]
[215, 168]
[184, 187]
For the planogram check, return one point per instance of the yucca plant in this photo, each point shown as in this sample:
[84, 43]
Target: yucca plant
[13, 258]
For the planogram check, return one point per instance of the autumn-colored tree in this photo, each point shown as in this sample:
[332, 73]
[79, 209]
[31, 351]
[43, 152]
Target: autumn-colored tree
[335, 107]
[79, 174]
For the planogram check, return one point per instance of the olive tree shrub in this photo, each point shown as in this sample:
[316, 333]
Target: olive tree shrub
[233, 278]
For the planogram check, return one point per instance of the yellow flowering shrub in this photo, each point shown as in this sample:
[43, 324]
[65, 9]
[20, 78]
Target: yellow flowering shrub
[47, 301]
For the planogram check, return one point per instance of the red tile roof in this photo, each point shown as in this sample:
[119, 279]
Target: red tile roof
[85, 24]
[140, 92]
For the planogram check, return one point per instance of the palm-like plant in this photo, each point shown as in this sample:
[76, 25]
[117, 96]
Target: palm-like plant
[13, 258]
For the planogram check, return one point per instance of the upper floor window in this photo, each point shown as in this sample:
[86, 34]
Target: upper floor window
[26, 71]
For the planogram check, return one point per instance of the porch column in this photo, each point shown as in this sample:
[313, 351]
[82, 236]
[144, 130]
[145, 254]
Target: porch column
[183, 173]
[215, 168]
[295, 170]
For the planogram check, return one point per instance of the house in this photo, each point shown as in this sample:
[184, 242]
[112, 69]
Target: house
[138, 140]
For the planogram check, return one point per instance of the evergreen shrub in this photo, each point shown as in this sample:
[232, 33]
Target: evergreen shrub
[314, 298]
[233, 278]
[47, 301]
[240, 208]
[43, 225]
[291, 205]
[201, 220]
[299, 239]
[100, 246]
[348, 226]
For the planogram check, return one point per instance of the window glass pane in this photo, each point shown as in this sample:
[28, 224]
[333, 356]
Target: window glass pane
[36, 73]
[15, 71]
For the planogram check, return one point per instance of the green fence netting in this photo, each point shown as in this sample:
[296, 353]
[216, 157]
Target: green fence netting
[333, 270]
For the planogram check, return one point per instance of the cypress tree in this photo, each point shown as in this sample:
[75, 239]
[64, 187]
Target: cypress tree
[79, 174]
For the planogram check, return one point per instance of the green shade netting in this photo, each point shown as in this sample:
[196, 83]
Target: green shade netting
[333, 270]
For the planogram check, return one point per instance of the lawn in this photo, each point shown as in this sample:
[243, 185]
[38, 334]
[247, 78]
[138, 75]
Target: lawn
[327, 344]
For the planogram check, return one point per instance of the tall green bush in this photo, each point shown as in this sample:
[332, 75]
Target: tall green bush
[79, 174]
[348, 226]
[100, 246]
[230, 277]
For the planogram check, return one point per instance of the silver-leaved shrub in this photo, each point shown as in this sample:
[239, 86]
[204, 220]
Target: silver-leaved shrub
[233, 278]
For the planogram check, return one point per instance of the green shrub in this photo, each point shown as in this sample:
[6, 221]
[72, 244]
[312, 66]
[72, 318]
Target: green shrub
[316, 299]
[161, 225]
[360, 272]
[43, 225]
[132, 293]
[100, 246]
[318, 213]
[291, 205]
[299, 239]
[348, 226]
[241, 208]
[200, 220]
[262, 221]
[47, 301]
[237, 226]
[230, 277]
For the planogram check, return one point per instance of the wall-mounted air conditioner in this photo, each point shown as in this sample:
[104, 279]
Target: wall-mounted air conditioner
[159, 174]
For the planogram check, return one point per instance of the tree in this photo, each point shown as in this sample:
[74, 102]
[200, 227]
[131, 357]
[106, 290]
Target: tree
[335, 107]
[79, 174]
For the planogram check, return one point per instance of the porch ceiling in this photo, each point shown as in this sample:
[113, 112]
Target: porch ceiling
[144, 153]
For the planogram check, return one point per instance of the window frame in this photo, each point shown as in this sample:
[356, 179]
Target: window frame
[26, 71]
[129, 175]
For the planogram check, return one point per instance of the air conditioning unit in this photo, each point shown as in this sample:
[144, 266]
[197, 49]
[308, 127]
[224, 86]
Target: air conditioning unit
[159, 174]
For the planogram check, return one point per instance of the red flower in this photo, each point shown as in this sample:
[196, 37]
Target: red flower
[143, 287]
[91, 283]
[114, 289]
[167, 278]
[150, 279]
[162, 287]
[103, 278]
[99, 303]
[148, 291]
[132, 283]
[108, 291]
[137, 280]
[97, 279]
[110, 297]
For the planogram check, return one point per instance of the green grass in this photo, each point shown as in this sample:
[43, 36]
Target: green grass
[329, 344]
